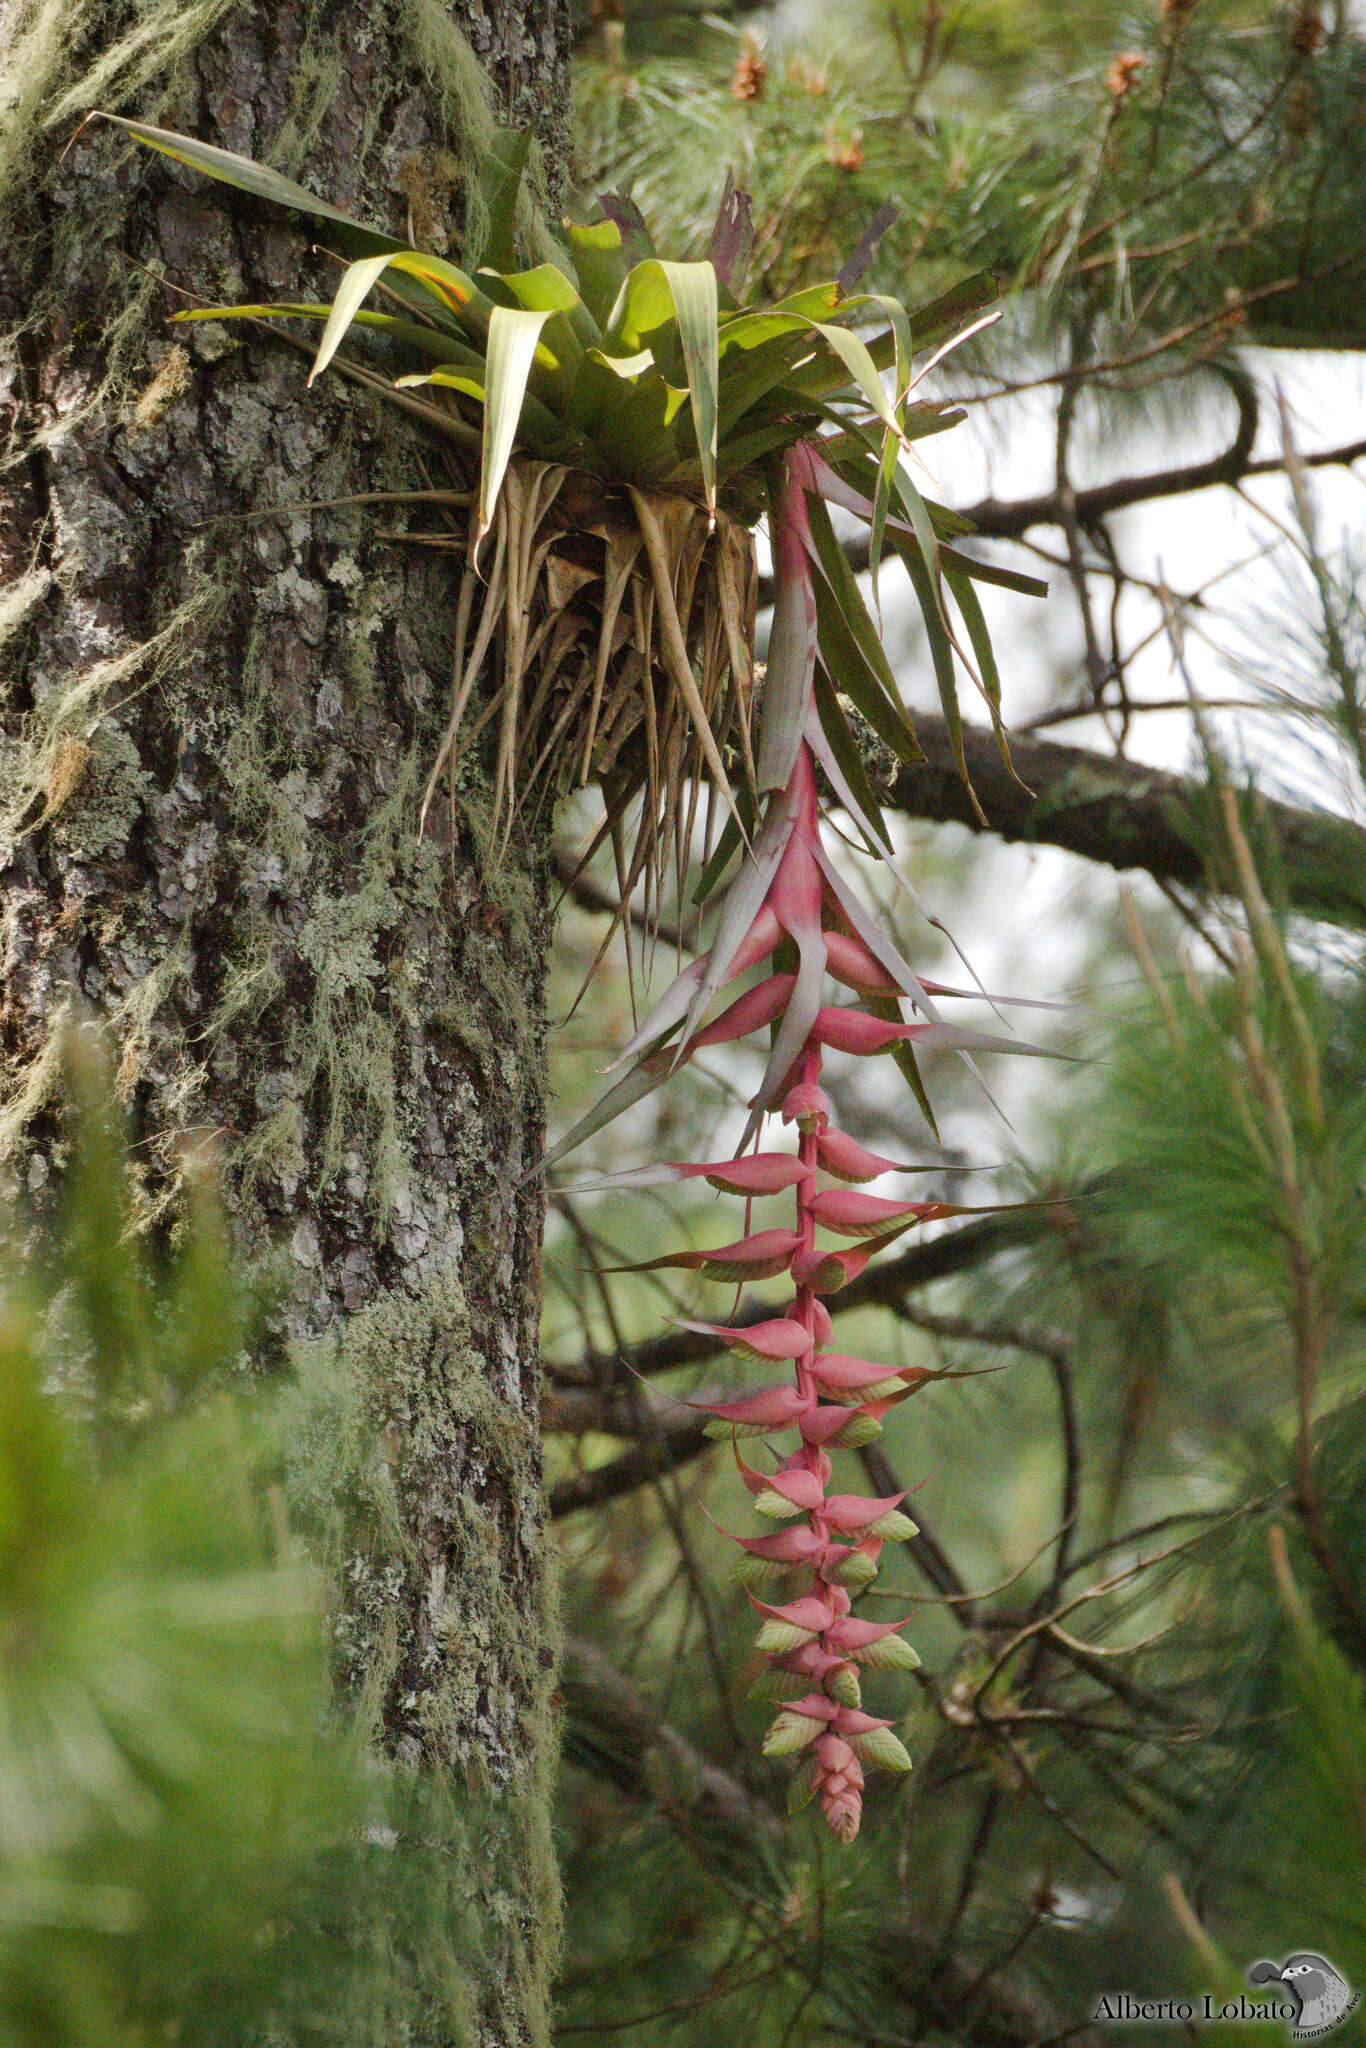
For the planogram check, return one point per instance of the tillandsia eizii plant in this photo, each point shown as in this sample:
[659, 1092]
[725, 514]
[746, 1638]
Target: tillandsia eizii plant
[619, 425]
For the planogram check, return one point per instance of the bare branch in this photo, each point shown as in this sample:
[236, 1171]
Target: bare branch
[1125, 815]
[668, 1446]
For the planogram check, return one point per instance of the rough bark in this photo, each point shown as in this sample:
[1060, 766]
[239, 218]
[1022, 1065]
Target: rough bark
[218, 717]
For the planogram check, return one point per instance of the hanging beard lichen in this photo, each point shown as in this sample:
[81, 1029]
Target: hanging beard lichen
[80, 234]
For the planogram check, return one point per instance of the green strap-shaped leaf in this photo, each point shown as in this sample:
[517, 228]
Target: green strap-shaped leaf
[926, 539]
[899, 327]
[450, 288]
[248, 176]
[941, 654]
[547, 290]
[844, 662]
[844, 747]
[991, 572]
[427, 341]
[538, 422]
[694, 295]
[656, 298]
[513, 336]
[863, 371]
[789, 316]
[600, 263]
[750, 376]
[849, 643]
[626, 409]
[500, 183]
[970, 606]
[882, 498]
[747, 449]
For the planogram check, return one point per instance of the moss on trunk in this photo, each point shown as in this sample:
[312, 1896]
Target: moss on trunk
[219, 706]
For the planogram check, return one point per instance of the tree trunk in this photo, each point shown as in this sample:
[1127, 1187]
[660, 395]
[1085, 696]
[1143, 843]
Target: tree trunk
[221, 705]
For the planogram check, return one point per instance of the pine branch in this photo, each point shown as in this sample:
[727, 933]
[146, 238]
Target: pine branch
[956, 1251]
[1125, 815]
[615, 1733]
[1012, 518]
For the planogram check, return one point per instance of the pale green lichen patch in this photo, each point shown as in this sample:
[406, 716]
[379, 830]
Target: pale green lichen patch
[419, 1486]
[96, 792]
[68, 755]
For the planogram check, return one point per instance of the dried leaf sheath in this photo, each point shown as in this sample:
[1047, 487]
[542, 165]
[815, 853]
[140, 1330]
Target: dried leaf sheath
[561, 617]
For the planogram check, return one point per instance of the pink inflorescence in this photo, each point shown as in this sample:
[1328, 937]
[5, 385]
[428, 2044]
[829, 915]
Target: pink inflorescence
[790, 898]
[816, 1647]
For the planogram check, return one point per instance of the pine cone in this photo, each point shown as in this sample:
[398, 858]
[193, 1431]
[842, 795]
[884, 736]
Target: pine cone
[751, 70]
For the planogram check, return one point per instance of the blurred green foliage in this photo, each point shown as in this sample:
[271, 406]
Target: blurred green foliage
[192, 1848]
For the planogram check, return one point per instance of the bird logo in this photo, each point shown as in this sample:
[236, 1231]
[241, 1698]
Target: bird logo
[1322, 1997]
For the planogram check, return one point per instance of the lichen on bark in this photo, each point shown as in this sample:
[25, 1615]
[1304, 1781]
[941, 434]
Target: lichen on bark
[219, 699]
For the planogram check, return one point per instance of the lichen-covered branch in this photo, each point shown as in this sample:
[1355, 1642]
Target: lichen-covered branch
[1125, 815]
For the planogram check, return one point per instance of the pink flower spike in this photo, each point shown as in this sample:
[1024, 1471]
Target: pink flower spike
[837, 1374]
[771, 1408]
[798, 889]
[841, 1808]
[811, 1661]
[796, 1545]
[820, 1424]
[749, 1258]
[807, 1106]
[761, 940]
[827, 1272]
[750, 1012]
[852, 1635]
[855, 1031]
[817, 1706]
[855, 1214]
[835, 1754]
[778, 1338]
[850, 961]
[810, 1612]
[842, 1155]
[846, 1512]
[805, 1489]
[761, 1173]
[757, 1173]
[802, 1461]
[821, 1323]
[847, 1721]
